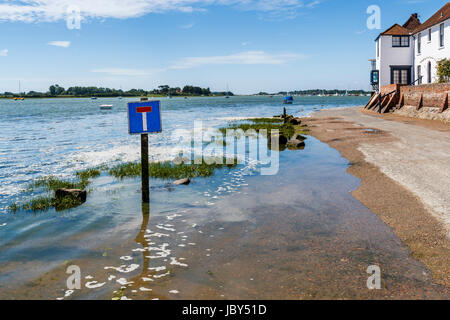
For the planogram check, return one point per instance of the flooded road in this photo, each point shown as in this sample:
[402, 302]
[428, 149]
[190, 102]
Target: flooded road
[297, 235]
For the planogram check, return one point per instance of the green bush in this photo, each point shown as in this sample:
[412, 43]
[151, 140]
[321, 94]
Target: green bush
[444, 71]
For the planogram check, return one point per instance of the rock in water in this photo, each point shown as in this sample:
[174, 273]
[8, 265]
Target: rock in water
[295, 121]
[298, 136]
[296, 144]
[180, 182]
[75, 194]
[282, 140]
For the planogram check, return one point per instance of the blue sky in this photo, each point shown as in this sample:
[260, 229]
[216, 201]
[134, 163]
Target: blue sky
[251, 45]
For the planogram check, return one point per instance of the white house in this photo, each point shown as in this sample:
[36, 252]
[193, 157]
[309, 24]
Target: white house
[409, 53]
[432, 43]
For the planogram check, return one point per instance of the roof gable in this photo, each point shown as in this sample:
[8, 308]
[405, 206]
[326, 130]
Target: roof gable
[440, 16]
[396, 30]
[413, 23]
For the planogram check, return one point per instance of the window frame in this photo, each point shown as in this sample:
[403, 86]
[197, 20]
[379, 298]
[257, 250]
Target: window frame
[429, 72]
[441, 35]
[429, 34]
[401, 42]
[400, 69]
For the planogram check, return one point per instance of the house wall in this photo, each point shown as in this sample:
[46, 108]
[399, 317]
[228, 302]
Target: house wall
[429, 101]
[391, 56]
[431, 51]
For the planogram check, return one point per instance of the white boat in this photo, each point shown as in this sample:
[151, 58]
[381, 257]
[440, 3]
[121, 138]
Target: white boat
[106, 107]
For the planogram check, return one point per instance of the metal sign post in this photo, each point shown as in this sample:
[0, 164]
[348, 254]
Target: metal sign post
[144, 118]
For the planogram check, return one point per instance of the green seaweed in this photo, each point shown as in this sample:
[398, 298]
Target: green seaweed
[89, 173]
[168, 170]
[52, 183]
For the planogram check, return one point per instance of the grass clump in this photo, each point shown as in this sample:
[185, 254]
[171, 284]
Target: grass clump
[168, 170]
[285, 129]
[267, 120]
[89, 173]
[268, 124]
[44, 203]
[52, 183]
[49, 185]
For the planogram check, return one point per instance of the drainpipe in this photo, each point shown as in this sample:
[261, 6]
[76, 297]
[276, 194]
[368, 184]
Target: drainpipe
[413, 59]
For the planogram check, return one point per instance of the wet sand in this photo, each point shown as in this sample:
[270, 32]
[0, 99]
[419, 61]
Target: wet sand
[404, 168]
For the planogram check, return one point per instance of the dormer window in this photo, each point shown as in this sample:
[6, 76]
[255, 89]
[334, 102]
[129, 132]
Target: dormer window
[400, 41]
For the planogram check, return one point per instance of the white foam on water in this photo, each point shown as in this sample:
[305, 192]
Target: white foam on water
[68, 293]
[126, 258]
[94, 285]
[147, 279]
[173, 261]
[161, 251]
[157, 269]
[165, 228]
[159, 235]
[123, 281]
[174, 291]
[161, 275]
[145, 289]
[124, 268]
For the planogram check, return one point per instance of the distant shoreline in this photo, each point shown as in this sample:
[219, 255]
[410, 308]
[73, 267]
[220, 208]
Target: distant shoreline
[107, 97]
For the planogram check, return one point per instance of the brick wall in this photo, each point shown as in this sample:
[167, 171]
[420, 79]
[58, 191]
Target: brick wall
[432, 95]
[390, 88]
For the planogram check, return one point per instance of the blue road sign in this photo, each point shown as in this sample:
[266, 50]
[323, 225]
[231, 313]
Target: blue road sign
[144, 117]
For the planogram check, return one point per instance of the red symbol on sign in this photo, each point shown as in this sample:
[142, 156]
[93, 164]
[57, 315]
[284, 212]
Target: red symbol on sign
[144, 111]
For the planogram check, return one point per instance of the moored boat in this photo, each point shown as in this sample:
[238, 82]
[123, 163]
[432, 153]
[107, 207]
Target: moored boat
[288, 100]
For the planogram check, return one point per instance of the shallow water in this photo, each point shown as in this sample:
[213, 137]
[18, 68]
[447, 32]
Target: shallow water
[302, 225]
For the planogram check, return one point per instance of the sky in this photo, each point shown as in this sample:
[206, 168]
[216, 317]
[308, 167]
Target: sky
[248, 45]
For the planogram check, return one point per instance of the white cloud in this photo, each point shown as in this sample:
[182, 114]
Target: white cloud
[126, 72]
[242, 58]
[3, 53]
[62, 44]
[56, 10]
[187, 26]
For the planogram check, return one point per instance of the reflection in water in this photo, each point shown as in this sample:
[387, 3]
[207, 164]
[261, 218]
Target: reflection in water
[145, 243]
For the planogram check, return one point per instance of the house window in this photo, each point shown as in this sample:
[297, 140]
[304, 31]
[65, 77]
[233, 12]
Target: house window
[419, 74]
[419, 43]
[400, 75]
[441, 35]
[429, 35]
[429, 72]
[400, 41]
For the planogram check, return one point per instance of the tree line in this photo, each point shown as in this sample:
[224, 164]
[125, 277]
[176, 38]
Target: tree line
[58, 91]
[316, 92]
